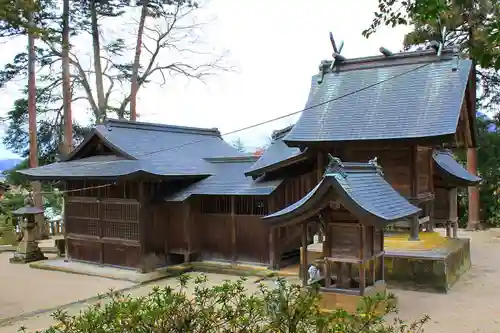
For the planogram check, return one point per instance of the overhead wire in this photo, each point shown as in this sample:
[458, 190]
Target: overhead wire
[260, 123]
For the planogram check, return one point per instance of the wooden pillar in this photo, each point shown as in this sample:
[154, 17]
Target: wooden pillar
[272, 248]
[453, 212]
[64, 213]
[142, 220]
[303, 264]
[233, 230]
[474, 221]
[414, 223]
[362, 270]
[382, 263]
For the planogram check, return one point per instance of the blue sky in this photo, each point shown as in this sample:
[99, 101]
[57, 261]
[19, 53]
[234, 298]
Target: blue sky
[275, 46]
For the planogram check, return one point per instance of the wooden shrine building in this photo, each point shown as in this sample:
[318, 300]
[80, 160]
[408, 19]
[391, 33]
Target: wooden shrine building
[351, 204]
[139, 191]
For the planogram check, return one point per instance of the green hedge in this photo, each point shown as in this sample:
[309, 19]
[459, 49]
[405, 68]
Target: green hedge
[229, 308]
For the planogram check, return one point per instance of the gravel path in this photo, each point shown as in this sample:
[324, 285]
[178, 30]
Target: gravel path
[473, 304]
[23, 289]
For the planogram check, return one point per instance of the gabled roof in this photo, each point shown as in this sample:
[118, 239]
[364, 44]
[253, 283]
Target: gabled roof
[153, 149]
[228, 179]
[452, 171]
[360, 187]
[404, 96]
[278, 154]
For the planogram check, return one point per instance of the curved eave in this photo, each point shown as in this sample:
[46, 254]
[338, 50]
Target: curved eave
[453, 172]
[334, 186]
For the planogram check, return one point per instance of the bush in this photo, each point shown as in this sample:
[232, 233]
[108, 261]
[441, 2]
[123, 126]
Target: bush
[228, 308]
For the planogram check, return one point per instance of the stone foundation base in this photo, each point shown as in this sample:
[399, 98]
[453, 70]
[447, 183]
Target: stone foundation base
[434, 269]
[27, 252]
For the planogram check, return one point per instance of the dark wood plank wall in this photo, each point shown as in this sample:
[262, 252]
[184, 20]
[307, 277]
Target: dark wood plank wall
[394, 162]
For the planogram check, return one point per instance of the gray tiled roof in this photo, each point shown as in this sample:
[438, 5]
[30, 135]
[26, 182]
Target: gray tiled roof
[101, 169]
[276, 154]
[160, 150]
[451, 170]
[228, 179]
[361, 188]
[423, 99]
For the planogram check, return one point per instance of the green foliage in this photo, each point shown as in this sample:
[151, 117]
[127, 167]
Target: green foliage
[228, 307]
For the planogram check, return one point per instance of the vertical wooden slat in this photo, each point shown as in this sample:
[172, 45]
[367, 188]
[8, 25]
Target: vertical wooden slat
[233, 230]
[304, 254]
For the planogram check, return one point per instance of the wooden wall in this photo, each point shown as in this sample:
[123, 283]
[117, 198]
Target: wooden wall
[396, 165]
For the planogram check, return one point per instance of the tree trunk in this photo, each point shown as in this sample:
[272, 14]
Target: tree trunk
[68, 121]
[96, 45]
[135, 68]
[33, 153]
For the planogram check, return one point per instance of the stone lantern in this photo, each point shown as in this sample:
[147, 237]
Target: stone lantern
[28, 250]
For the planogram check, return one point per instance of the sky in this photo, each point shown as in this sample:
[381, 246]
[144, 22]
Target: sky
[274, 46]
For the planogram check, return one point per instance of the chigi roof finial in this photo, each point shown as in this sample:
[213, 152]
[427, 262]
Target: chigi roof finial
[326, 65]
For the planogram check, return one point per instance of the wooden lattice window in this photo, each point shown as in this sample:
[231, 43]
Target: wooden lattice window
[122, 230]
[250, 205]
[216, 205]
[82, 217]
[120, 211]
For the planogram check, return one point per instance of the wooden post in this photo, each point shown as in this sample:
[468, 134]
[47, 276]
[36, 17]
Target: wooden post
[474, 222]
[272, 248]
[187, 229]
[142, 219]
[304, 254]
[233, 230]
[362, 271]
[453, 213]
[382, 257]
[414, 223]
[65, 221]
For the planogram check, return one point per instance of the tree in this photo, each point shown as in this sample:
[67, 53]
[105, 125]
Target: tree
[473, 26]
[229, 307]
[470, 24]
[239, 145]
[169, 26]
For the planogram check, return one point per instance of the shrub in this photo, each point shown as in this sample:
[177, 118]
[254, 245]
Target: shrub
[227, 308]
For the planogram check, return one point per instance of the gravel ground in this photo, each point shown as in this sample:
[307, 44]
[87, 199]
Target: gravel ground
[24, 289]
[473, 304]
